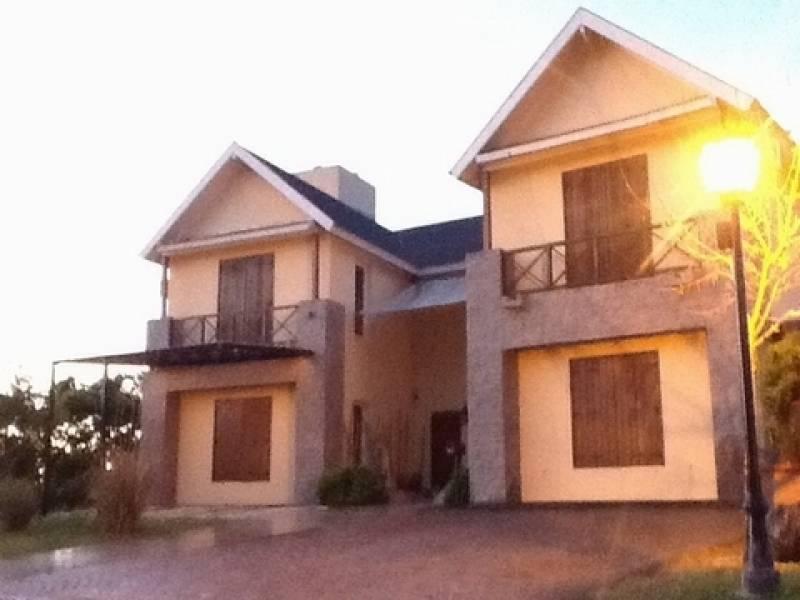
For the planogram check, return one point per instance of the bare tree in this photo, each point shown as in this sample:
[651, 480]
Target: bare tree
[770, 221]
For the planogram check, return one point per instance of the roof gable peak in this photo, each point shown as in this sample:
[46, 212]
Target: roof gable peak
[581, 21]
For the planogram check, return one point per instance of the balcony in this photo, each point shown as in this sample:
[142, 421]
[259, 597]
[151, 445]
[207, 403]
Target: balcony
[277, 328]
[629, 254]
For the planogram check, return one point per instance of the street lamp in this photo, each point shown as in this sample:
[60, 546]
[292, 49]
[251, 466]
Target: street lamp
[731, 168]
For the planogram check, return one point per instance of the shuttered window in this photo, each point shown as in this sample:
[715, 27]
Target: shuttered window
[607, 220]
[616, 411]
[245, 297]
[359, 281]
[242, 431]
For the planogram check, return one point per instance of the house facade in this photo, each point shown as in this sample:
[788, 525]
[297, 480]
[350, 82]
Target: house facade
[553, 340]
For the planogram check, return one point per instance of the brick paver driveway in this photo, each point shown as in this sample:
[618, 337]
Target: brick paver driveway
[398, 553]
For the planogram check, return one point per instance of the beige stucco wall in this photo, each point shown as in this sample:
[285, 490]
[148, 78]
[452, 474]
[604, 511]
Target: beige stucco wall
[527, 205]
[194, 278]
[236, 199]
[546, 467]
[195, 450]
[378, 365]
[592, 82]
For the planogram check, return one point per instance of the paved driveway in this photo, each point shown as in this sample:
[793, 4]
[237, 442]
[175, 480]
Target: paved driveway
[399, 552]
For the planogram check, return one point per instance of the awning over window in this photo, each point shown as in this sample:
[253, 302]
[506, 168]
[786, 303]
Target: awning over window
[428, 293]
[206, 354]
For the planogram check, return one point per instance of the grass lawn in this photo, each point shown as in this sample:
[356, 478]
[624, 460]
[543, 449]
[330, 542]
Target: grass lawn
[66, 530]
[710, 574]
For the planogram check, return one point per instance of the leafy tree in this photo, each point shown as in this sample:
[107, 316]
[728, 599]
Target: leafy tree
[23, 420]
[76, 441]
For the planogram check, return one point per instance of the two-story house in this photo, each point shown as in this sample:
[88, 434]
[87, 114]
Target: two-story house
[546, 335]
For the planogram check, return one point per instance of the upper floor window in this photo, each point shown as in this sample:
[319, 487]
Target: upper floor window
[359, 299]
[246, 289]
[607, 222]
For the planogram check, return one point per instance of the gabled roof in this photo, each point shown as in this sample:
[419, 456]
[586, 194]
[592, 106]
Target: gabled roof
[581, 20]
[411, 249]
[441, 243]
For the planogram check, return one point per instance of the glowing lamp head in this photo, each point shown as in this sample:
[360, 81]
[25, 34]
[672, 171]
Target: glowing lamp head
[730, 165]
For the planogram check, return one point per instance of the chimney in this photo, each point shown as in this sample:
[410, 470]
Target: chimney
[345, 186]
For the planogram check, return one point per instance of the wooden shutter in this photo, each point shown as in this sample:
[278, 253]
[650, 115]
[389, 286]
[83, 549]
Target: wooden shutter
[245, 299]
[359, 285]
[606, 220]
[616, 411]
[242, 439]
[629, 242]
[231, 294]
[578, 217]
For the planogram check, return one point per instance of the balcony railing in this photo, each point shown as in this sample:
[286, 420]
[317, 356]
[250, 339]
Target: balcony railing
[277, 327]
[628, 254]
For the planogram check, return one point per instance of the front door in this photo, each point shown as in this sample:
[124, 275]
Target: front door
[445, 446]
[245, 299]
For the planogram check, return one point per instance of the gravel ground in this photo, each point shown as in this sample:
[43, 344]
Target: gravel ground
[400, 552]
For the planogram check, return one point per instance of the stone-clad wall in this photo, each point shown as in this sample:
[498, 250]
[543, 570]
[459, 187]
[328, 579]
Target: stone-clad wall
[318, 387]
[497, 328]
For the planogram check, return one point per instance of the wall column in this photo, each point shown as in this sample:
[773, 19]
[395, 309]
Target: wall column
[319, 398]
[492, 401]
[159, 447]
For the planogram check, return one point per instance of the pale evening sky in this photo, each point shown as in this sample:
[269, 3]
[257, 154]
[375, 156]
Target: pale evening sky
[110, 112]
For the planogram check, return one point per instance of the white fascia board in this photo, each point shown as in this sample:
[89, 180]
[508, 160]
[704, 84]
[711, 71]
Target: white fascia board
[239, 237]
[284, 188]
[668, 61]
[235, 151]
[596, 131]
[149, 251]
[586, 19]
[517, 94]
[372, 249]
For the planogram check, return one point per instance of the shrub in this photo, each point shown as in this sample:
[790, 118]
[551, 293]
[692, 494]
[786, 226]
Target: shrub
[19, 503]
[410, 483]
[352, 486]
[784, 529]
[119, 494]
[779, 393]
[457, 489]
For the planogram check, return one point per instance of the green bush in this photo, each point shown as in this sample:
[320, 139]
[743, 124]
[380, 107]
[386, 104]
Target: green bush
[119, 494]
[784, 525]
[779, 390]
[457, 492]
[352, 486]
[19, 503]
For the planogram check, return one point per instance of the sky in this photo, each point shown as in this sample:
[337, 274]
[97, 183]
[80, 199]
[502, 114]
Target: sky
[111, 112]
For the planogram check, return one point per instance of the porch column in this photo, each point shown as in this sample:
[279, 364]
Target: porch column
[492, 399]
[159, 447]
[725, 374]
[319, 398]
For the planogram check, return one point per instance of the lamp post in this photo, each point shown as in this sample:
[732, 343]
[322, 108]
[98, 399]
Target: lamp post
[731, 168]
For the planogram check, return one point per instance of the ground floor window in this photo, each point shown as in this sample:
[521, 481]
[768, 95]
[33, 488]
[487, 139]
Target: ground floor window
[616, 410]
[242, 429]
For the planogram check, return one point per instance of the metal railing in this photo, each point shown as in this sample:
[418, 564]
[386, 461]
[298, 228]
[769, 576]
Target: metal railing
[277, 327]
[619, 256]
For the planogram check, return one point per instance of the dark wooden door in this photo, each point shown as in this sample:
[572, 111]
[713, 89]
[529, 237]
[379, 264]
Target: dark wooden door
[445, 446]
[245, 299]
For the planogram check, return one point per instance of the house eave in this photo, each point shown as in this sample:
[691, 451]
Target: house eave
[236, 238]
